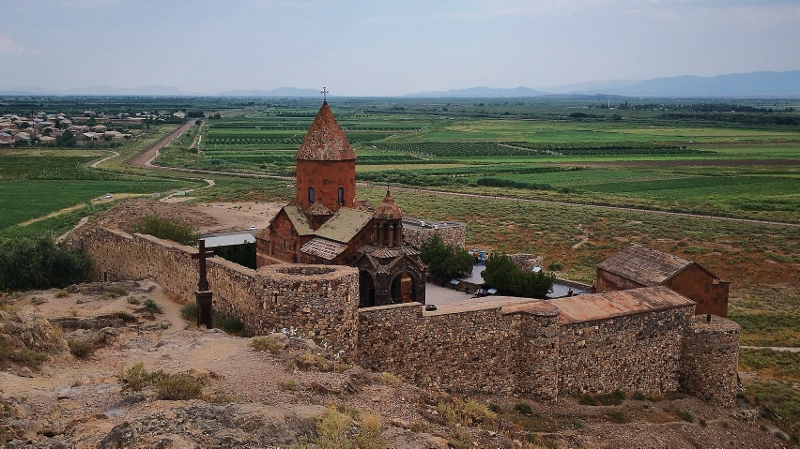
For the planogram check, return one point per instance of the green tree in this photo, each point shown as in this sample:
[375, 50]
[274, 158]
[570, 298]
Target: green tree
[38, 263]
[67, 139]
[446, 261]
[503, 274]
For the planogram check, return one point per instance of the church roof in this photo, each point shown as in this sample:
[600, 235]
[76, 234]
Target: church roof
[344, 225]
[323, 248]
[601, 306]
[388, 209]
[325, 140]
[299, 220]
[646, 266]
[318, 209]
[382, 252]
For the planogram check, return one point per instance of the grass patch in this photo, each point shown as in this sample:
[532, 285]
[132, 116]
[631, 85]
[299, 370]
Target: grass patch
[614, 398]
[466, 412]
[270, 344]
[618, 417]
[80, 348]
[150, 304]
[189, 312]
[179, 387]
[289, 385]
[782, 365]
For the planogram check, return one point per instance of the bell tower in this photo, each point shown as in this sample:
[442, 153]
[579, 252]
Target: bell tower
[325, 165]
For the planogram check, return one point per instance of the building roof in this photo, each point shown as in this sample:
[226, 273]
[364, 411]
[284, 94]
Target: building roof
[382, 252]
[344, 225]
[325, 140]
[239, 238]
[646, 266]
[318, 209]
[388, 209]
[298, 219]
[581, 308]
[323, 248]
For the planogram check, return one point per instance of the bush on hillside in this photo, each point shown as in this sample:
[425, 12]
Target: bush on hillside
[28, 263]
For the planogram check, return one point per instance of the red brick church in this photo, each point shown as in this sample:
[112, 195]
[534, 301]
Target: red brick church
[326, 224]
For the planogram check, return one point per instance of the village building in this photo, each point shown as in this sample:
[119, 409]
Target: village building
[638, 266]
[326, 224]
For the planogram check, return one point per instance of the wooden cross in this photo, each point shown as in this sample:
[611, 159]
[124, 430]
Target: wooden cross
[324, 93]
[202, 255]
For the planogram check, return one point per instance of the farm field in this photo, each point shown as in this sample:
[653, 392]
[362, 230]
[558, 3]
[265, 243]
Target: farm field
[535, 151]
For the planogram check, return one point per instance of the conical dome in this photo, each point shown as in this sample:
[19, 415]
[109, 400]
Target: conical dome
[325, 140]
[388, 209]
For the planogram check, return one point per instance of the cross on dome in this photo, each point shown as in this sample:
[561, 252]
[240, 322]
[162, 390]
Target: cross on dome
[324, 93]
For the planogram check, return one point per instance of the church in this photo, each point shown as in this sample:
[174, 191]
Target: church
[326, 224]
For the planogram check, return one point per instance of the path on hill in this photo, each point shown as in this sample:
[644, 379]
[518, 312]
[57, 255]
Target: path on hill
[115, 154]
[774, 348]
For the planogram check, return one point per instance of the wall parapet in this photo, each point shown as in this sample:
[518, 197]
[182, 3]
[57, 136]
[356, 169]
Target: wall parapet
[320, 300]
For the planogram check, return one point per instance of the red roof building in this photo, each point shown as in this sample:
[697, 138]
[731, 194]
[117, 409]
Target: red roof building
[326, 224]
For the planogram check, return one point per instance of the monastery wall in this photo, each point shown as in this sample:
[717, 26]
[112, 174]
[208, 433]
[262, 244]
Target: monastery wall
[710, 359]
[454, 234]
[322, 300]
[636, 352]
[609, 282]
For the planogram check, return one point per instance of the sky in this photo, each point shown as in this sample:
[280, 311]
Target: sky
[387, 47]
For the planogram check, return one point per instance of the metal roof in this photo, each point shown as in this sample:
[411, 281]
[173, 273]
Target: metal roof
[344, 225]
[576, 309]
[239, 238]
[644, 265]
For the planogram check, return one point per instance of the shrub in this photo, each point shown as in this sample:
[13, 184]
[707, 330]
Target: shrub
[28, 263]
[80, 348]
[555, 265]
[167, 229]
[28, 357]
[137, 377]
[503, 274]
[189, 312]
[150, 304]
[523, 408]
[685, 415]
[289, 384]
[465, 412]
[370, 435]
[179, 387]
[133, 300]
[61, 294]
[391, 379]
[229, 324]
[618, 417]
[266, 344]
[332, 431]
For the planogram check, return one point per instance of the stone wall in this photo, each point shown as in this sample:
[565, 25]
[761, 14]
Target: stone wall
[322, 300]
[609, 282]
[636, 352]
[710, 359]
[416, 231]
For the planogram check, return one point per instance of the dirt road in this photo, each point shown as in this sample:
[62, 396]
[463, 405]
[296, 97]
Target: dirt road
[144, 158]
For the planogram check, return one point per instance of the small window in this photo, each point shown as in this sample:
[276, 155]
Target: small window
[341, 195]
[310, 195]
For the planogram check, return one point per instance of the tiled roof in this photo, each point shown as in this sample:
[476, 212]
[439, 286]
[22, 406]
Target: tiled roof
[344, 225]
[581, 308]
[382, 252]
[388, 209]
[299, 220]
[318, 209]
[325, 249]
[646, 266]
[325, 140]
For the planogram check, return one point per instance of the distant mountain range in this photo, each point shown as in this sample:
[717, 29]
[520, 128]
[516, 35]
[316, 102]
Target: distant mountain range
[736, 85]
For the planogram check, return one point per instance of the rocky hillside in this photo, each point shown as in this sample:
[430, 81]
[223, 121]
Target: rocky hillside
[116, 366]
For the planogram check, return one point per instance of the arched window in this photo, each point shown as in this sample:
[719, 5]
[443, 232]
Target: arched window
[311, 195]
[341, 196]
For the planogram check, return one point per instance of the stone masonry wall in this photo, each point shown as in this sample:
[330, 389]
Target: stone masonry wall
[460, 352]
[453, 234]
[609, 282]
[710, 359]
[637, 352]
[322, 300]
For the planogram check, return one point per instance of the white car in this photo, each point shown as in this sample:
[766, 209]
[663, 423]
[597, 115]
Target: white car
[108, 196]
[253, 228]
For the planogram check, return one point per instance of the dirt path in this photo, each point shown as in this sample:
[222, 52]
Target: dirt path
[96, 164]
[774, 348]
[144, 158]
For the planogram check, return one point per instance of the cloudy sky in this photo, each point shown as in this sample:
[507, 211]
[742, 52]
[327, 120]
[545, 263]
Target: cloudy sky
[387, 47]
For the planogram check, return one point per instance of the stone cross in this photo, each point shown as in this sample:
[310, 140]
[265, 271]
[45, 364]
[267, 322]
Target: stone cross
[203, 295]
[324, 93]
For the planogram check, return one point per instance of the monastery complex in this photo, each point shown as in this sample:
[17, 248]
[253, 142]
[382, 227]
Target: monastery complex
[347, 273]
